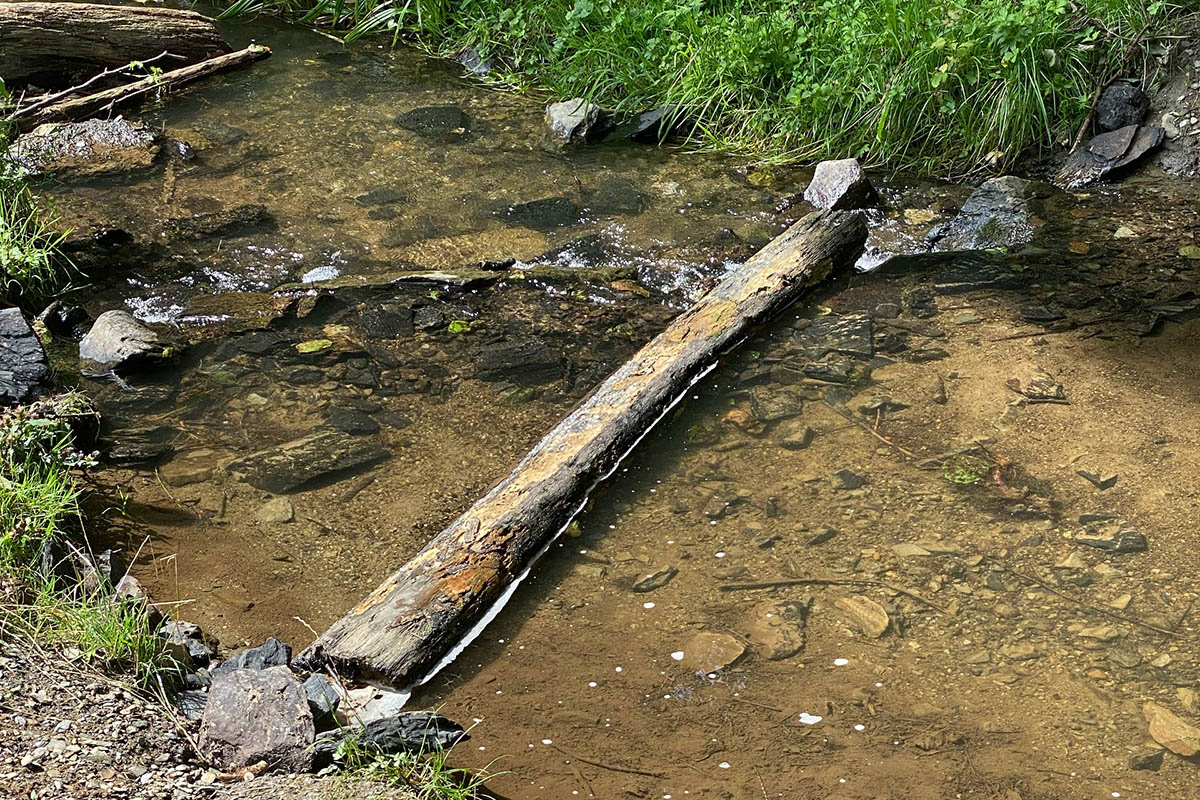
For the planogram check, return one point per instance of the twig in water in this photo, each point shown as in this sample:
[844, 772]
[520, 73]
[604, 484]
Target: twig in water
[867, 428]
[752, 586]
[609, 767]
[1039, 582]
[49, 100]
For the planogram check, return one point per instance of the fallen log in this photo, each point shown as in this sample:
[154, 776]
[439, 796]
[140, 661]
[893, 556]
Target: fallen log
[432, 606]
[82, 107]
[48, 42]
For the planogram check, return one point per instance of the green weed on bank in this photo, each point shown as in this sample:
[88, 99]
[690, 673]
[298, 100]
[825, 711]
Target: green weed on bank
[40, 490]
[940, 86]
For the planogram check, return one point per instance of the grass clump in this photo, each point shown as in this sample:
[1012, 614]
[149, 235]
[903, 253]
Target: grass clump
[944, 86]
[425, 774]
[45, 597]
[32, 265]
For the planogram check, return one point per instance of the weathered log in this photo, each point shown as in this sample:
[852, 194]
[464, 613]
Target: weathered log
[47, 42]
[82, 107]
[440, 598]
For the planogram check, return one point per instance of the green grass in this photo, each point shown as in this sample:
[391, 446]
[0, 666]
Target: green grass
[426, 775]
[40, 491]
[941, 86]
[32, 265]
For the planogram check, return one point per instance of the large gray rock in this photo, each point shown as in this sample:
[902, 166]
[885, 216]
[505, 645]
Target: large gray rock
[840, 184]
[319, 456]
[573, 122]
[997, 214]
[1109, 155]
[24, 370]
[272, 653]
[84, 148]
[258, 715]
[118, 342]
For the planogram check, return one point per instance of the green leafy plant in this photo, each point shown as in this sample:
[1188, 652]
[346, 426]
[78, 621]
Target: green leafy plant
[965, 470]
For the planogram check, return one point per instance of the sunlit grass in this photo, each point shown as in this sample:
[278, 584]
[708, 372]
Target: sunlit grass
[943, 86]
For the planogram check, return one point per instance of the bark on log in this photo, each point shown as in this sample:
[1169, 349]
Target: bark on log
[47, 42]
[419, 614]
[82, 107]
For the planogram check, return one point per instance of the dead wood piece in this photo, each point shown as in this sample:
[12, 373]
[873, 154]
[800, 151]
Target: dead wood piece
[406, 626]
[50, 42]
[102, 102]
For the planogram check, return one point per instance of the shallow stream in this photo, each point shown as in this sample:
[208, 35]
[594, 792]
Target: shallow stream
[330, 171]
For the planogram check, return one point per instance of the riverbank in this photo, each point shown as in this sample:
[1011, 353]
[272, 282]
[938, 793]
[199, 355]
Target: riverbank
[933, 88]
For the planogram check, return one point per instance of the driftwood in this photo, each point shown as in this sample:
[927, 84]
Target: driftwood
[440, 598]
[48, 42]
[81, 107]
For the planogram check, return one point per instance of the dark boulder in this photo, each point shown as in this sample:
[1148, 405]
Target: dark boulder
[318, 457]
[541, 215]
[440, 123]
[258, 715]
[615, 196]
[997, 214]
[840, 184]
[117, 342]
[573, 122]
[1120, 105]
[62, 319]
[24, 370]
[237, 221]
[528, 362]
[412, 732]
[271, 653]
[1109, 155]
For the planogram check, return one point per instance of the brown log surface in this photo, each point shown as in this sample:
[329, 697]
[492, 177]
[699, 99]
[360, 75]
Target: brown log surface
[78, 108]
[38, 40]
[416, 616]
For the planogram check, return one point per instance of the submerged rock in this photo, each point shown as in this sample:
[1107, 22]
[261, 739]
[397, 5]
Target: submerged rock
[118, 342]
[541, 215]
[573, 122]
[1170, 731]
[997, 214]
[24, 370]
[290, 466]
[258, 715]
[83, 148]
[527, 362]
[412, 732]
[440, 123]
[1109, 154]
[655, 125]
[840, 184]
[1120, 105]
[237, 221]
[710, 652]
[778, 629]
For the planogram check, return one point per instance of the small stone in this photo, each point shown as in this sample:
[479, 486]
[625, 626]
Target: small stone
[1121, 602]
[1161, 661]
[276, 511]
[1188, 698]
[848, 479]
[1072, 561]
[1020, 651]
[870, 617]
[967, 317]
[1149, 759]
[710, 652]
[573, 122]
[909, 550]
[1100, 482]
[778, 629]
[979, 657]
[272, 653]
[1102, 633]
[1123, 542]
[840, 184]
[655, 580]
[796, 435]
[1170, 731]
